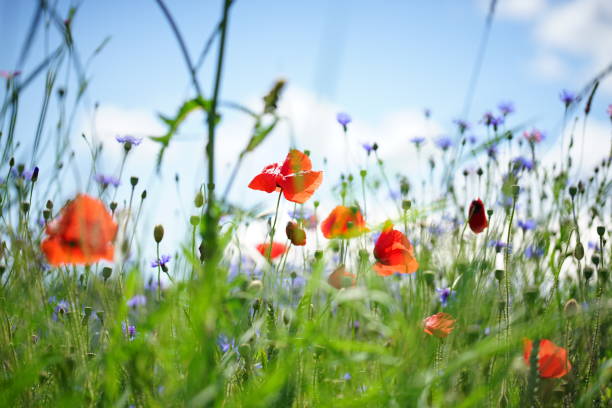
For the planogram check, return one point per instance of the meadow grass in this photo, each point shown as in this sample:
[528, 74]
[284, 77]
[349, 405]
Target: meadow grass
[222, 330]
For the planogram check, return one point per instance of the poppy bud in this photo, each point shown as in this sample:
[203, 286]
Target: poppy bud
[25, 207]
[499, 274]
[572, 308]
[406, 204]
[296, 235]
[601, 230]
[363, 173]
[133, 180]
[46, 214]
[429, 278]
[106, 273]
[595, 259]
[588, 273]
[35, 175]
[603, 275]
[573, 190]
[12, 162]
[318, 255]
[375, 146]
[479, 172]
[255, 286]
[49, 204]
[158, 233]
[194, 220]
[579, 251]
[143, 195]
[199, 200]
[477, 218]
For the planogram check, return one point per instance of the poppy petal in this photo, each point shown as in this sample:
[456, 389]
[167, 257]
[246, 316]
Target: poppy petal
[295, 162]
[299, 187]
[266, 180]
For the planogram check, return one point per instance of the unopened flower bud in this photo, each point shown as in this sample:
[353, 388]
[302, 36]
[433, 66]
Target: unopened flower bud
[406, 204]
[158, 233]
[106, 272]
[35, 174]
[133, 180]
[572, 308]
[199, 200]
[601, 230]
[573, 190]
[499, 274]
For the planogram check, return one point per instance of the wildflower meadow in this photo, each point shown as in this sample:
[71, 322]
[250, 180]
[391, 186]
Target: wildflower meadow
[462, 265]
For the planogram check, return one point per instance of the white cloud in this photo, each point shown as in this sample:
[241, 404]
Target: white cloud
[548, 66]
[520, 9]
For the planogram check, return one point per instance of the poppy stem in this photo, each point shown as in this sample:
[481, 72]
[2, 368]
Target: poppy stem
[273, 229]
[158, 274]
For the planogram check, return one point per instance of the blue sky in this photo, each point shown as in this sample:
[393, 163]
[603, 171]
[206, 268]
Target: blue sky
[382, 62]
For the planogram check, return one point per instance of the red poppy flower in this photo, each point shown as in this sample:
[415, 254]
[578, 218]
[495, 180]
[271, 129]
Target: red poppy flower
[277, 249]
[477, 217]
[343, 222]
[294, 177]
[82, 234]
[439, 325]
[295, 234]
[394, 253]
[341, 278]
[552, 359]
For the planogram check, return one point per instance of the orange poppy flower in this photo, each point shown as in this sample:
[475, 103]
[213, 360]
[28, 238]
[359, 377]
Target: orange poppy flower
[477, 217]
[341, 278]
[394, 253]
[276, 250]
[552, 359]
[295, 233]
[343, 222]
[294, 177]
[439, 325]
[83, 233]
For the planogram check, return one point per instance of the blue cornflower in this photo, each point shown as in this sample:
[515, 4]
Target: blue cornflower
[462, 125]
[492, 151]
[506, 108]
[60, 309]
[138, 300]
[395, 195]
[498, 245]
[527, 225]
[523, 163]
[347, 376]
[344, 119]
[128, 330]
[444, 294]
[593, 245]
[161, 262]
[106, 181]
[418, 141]
[435, 229]
[487, 118]
[567, 97]
[134, 141]
[444, 143]
[367, 147]
[23, 174]
[225, 344]
[472, 139]
[533, 251]
[497, 121]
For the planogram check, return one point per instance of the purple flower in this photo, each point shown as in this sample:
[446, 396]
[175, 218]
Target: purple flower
[527, 225]
[60, 309]
[444, 143]
[151, 285]
[134, 141]
[533, 251]
[347, 376]
[106, 181]
[23, 174]
[367, 147]
[394, 195]
[444, 293]
[593, 245]
[461, 124]
[506, 108]
[427, 112]
[497, 121]
[8, 75]
[487, 118]
[225, 344]
[472, 139]
[418, 141]
[161, 262]
[534, 136]
[128, 330]
[498, 245]
[344, 119]
[567, 97]
[492, 151]
[138, 300]
[523, 163]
